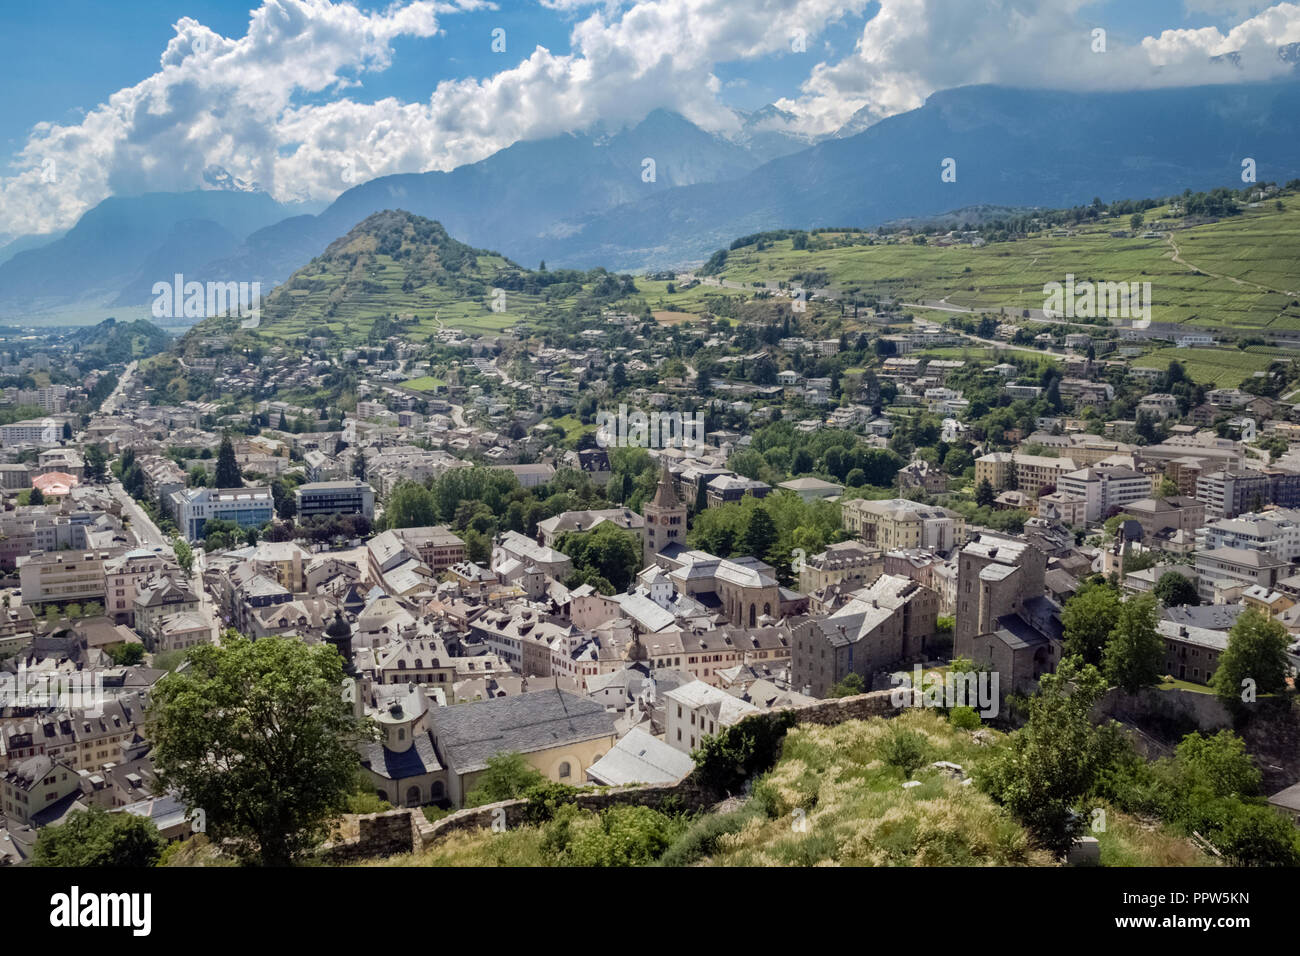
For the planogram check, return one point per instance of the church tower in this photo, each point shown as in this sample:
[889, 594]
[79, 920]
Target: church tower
[665, 518]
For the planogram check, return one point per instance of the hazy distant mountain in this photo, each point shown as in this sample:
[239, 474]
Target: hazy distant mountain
[527, 194]
[666, 193]
[22, 244]
[1011, 147]
[767, 133]
[133, 241]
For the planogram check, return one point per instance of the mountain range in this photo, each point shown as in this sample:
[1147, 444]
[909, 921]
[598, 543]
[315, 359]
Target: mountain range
[591, 198]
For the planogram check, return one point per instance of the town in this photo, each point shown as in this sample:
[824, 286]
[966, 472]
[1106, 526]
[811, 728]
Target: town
[519, 591]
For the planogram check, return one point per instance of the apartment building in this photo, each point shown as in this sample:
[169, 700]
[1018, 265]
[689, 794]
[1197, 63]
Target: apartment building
[1275, 532]
[1104, 488]
[897, 523]
[1220, 571]
[125, 575]
[35, 788]
[82, 740]
[1063, 507]
[1229, 492]
[1191, 653]
[1158, 404]
[33, 431]
[1032, 472]
[437, 546]
[63, 577]
[349, 496]
[1165, 520]
[698, 710]
[849, 563]
[246, 507]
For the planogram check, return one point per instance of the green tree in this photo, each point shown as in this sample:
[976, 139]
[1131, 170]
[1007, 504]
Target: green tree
[411, 505]
[184, 555]
[1134, 649]
[95, 837]
[608, 551]
[37, 497]
[96, 463]
[508, 776]
[125, 655]
[1087, 620]
[1055, 760]
[984, 494]
[258, 735]
[228, 475]
[851, 685]
[1175, 590]
[1254, 662]
[760, 535]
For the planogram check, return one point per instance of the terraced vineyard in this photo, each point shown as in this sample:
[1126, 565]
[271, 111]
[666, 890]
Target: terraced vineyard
[1241, 272]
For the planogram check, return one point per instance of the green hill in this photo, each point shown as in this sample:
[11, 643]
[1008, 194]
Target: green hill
[122, 341]
[395, 270]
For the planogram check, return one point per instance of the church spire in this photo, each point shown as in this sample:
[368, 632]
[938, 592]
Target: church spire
[666, 493]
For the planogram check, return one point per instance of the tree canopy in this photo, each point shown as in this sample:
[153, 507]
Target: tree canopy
[257, 734]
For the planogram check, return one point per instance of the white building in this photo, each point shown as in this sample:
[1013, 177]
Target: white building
[33, 431]
[1105, 488]
[1274, 532]
[698, 710]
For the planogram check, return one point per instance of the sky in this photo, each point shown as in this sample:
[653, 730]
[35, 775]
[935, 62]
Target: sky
[303, 98]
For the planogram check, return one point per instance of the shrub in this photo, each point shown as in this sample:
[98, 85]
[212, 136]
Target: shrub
[964, 718]
[545, 798]
[621, 836]
[726, 760]
[905, 749]
[700, 839]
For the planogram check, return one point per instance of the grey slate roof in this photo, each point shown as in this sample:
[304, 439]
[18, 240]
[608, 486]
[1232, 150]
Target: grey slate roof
[420, 758]
[468, 734]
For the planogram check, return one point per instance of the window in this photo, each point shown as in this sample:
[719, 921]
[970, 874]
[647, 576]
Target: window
[565, 770]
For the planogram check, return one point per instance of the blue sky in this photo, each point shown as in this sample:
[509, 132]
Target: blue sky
[303, 97]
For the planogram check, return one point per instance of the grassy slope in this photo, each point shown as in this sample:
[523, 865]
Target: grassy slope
[857, 814]
[1258, 249]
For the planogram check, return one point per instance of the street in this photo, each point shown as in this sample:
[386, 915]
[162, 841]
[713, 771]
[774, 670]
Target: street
[148, 536]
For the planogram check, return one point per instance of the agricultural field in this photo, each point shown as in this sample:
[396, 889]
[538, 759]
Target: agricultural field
[426, 383]
[1222, 368]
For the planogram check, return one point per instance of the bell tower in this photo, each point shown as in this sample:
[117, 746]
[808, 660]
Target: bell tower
[665, 518]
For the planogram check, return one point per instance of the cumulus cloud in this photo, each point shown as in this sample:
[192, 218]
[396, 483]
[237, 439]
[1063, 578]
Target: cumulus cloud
[912, 48]
[275, 107]
[239, 104]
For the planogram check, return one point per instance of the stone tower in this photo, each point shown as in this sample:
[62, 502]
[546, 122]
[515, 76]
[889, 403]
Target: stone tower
[665, 518]
[339, 634]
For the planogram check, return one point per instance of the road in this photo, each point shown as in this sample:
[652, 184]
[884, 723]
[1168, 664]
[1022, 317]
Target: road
[149, 537]
[110, 404]
[145, 531]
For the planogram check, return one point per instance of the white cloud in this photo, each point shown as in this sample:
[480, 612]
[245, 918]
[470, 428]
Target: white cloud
[274, 107]
[238, 103]
[912, 48]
